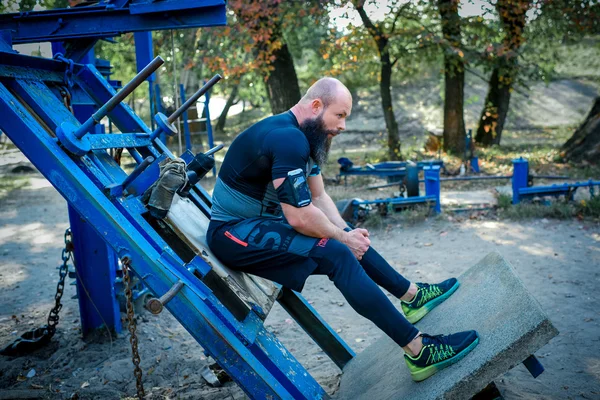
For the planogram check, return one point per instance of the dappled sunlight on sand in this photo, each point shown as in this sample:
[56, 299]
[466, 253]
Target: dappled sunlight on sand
[536, 249]
[487, 228]
[37, 183]
[37, 236]
[593, 368]
[13, 274]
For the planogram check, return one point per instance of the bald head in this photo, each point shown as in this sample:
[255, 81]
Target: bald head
[322, 112]
[328, 90]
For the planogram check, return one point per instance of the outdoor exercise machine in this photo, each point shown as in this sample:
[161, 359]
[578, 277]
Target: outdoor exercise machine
[113, 228]
[521, 179]
[523, 189]
[396, 171]
[356, 209]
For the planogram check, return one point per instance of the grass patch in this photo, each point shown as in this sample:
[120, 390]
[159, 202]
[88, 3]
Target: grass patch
[409, 216]
[8, 183]
[556, 209]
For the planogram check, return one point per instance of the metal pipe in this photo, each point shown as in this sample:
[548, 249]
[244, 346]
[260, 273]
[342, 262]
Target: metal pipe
[137, 171]
[475, 178]
[155, 306]
[195, 97]
[549, 177]
[119, 96]
[213, 150]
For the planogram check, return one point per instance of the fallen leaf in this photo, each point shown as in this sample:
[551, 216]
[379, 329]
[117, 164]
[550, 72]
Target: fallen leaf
[428, 244]
[85, 384]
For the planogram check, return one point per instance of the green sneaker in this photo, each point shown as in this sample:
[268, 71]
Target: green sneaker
[427, 298]
[439, 352]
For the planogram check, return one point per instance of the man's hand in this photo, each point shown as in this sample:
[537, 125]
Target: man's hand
[364, 232]
[358, 242]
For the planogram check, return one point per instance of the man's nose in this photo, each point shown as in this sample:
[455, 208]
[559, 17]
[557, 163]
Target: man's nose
[342, 126]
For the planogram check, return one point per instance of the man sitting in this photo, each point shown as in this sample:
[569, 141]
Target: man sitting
[271, 217]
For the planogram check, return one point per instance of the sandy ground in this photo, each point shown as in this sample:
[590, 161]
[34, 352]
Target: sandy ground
[559, 262]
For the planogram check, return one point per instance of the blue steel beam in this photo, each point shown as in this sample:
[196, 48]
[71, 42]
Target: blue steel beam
[106, 20]
[251, 362]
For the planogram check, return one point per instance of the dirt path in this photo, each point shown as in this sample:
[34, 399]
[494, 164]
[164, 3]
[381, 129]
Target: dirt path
[559, 263]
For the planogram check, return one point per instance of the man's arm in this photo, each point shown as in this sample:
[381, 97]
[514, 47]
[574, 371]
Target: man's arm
[323, 202]
[313, 222]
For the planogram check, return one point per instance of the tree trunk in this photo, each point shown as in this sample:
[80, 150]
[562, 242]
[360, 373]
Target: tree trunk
[282, 83]
[584, 145]
[454, 77]
[385, 84]
[491, 123]
[223, 117]
[394, 146]
[493, 116]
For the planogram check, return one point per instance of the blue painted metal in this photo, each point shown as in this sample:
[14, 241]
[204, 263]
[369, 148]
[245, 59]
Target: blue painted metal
[96, 265]
[312, 323]
[159, 107]
[519, 178]
[474, 163]
[31, 112]
[144, 52]
[186, 127]
[106, 20]
[534, 366]
[383, 169]
[432, 194]
[563, 189]
[209, 131]
[522, 191]
[476, 178]
[432, 185]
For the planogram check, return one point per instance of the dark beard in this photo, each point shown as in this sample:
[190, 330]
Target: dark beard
[318, 140]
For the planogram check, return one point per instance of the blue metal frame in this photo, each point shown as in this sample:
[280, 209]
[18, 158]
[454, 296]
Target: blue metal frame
[32, 111]
[96, 265]
[184, 116]
[432, 194]
[111, 18]
[522, 191]
[209, 131]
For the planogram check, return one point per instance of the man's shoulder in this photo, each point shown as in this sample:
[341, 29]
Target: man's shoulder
[280, 123]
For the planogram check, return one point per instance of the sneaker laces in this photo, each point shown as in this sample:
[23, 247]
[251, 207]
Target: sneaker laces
[428, 292]
[440, 349]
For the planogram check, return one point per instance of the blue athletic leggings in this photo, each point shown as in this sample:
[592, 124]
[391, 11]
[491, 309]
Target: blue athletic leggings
[273, 250]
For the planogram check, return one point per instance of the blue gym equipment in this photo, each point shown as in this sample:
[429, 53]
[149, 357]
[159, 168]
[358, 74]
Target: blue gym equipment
[116, 242]
[126, 248]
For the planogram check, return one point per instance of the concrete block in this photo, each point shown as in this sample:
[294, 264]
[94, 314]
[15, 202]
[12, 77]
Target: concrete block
[491, 300]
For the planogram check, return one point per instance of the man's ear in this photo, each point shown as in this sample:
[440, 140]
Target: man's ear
[316, 106]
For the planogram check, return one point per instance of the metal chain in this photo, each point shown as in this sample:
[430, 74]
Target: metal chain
[63, 270]
[131, 325]
[68, 79]
[66, 95]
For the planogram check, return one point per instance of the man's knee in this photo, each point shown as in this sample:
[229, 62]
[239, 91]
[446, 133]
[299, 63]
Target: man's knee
[335, 259]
